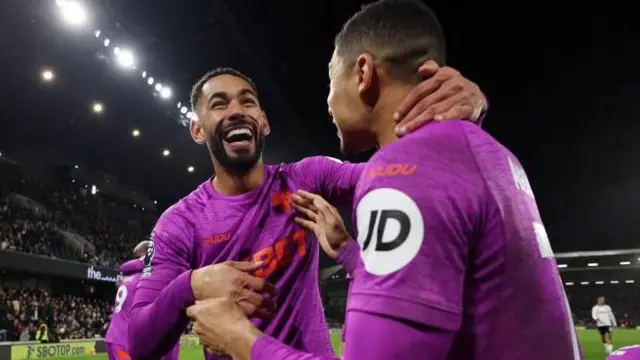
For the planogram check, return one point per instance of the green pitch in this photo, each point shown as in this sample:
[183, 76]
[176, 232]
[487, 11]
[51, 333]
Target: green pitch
[589, 339]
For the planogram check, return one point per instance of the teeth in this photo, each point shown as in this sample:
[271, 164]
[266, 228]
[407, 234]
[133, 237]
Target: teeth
[242, 131]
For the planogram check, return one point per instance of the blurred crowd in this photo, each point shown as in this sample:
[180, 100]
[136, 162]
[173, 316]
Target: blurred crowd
[35, 213]
[22, 311]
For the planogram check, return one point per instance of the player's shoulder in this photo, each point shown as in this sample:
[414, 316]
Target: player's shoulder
[312, 162]
[185, 212]
[307, 170]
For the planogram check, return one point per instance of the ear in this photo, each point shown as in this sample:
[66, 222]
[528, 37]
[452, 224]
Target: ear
[365, 70]
[265, 124]
[197, 132]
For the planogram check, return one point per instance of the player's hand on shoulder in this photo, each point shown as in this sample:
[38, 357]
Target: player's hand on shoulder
[323, 219]
[444, 94]
[232, 279]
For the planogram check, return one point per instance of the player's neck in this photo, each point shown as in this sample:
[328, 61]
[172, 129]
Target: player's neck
[228, 183]
[390, 98]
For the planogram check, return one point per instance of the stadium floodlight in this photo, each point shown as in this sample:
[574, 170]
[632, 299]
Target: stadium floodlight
[183, 110]
[166, 152]
[73, 12]
[144, 74]
[47, 75]
[191, 169]
[179, 105]
[135, 133]
[150, 80]
[106, 42]
[158, 87]
[97, 33]
[592, 264]
[562, 266]
[94, 190]
[124, 57]
[97, 108]
[165, 93]
[625, 263]
[191, 115]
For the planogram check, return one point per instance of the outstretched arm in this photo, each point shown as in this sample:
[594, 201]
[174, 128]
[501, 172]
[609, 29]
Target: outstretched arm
[164, 292]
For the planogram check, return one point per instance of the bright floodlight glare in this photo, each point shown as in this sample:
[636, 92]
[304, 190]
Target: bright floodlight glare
[183, 110]
[47, 75]
[165, 93]
[144, 74]
[94, 189]
[155, 202]
[126, 59]
[150, 80]
[106, 42]
[158, 87]
[190, 115]
[135, 133]
[166, 152]
[191, 169]
[75, 166]
[73, 13]
[97, 33]
[97, 108]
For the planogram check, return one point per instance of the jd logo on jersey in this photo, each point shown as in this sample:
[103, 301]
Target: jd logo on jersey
[390, 230]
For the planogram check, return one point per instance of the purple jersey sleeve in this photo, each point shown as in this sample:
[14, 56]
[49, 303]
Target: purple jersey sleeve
[132, 267]
[349, 256]
[370, 337]
[333, 179]
[164, 292]
[416, 218]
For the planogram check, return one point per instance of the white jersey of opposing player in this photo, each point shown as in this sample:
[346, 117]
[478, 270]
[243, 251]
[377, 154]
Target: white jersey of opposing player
[603, 315]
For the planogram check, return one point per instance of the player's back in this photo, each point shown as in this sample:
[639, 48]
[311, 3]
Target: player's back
[516, 307]
[452, 239]
[626, 353]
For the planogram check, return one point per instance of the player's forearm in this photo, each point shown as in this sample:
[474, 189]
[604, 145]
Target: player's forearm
[158, 318]
[349, 256]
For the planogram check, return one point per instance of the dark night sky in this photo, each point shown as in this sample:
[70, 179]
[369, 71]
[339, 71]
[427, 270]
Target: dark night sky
[562, 81]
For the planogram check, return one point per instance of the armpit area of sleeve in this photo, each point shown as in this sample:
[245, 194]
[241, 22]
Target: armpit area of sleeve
[389, 303]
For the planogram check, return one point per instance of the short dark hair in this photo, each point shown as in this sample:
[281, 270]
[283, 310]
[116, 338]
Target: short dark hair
[196, 90]
[401, 34]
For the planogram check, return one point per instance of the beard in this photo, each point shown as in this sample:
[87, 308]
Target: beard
[236, 163]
